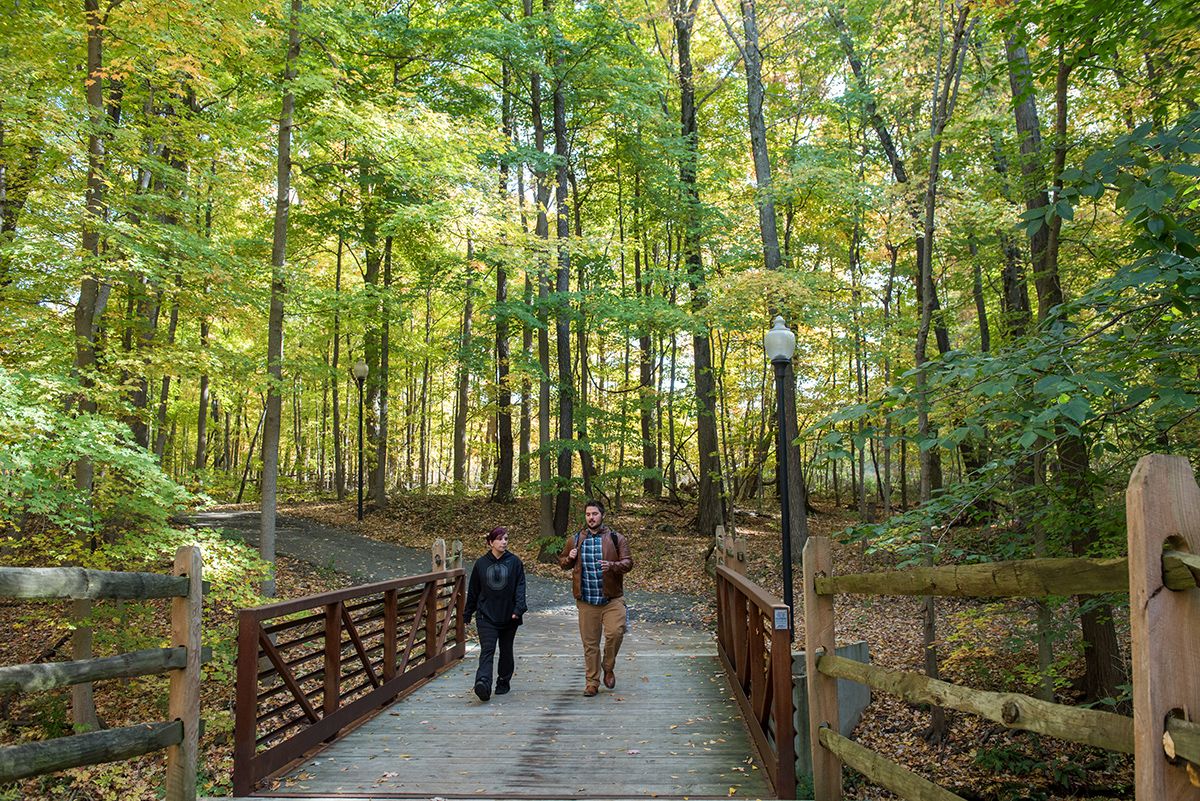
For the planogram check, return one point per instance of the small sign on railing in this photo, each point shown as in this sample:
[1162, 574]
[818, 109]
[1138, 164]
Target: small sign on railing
[781, 619]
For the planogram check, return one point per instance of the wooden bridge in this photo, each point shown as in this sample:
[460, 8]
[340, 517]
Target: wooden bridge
[312, 671]
[318, 678]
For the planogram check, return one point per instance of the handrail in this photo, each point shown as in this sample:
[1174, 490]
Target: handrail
[281, 713]
[179, 735]
[1027, 578]
[754, 645]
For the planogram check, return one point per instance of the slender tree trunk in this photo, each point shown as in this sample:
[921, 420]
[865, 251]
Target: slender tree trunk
[379, 470]
[562, 317]
[502, 489]
[160, 437]
[710, 512]
[339, 463]
[463, 378]
[273, 413]
[542, 230]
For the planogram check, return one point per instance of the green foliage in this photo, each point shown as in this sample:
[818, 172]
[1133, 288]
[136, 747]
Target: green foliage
[41, 442]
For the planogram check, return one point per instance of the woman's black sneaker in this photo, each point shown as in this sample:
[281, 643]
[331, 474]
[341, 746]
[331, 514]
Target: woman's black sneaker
[501, 687]
[483, 691]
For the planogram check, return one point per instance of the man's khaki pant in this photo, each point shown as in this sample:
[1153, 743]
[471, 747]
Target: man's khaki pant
[594, 620]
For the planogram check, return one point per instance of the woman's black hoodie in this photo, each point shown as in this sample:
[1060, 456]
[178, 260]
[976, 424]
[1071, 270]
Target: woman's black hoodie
[497, 590]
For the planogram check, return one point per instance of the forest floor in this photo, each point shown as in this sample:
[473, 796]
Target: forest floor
[983, 644]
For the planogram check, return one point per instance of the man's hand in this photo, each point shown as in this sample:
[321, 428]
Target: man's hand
[605, 564]
[574, 552]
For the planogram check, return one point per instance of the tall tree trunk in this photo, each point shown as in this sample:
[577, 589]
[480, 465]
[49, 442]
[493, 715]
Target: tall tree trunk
[339, 464]
[273, 412]
[425, 421]
[945, 93]
[647, 397]
[502, 489]
[89, 309]
[710, 512]
[562, 317]
[463, 379]
[383, 382]
[542, 230]
[160, 434]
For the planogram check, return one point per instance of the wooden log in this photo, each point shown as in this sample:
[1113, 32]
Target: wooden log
[884, 772]
[47, 676]
[438, 556]
[183, 699]
[1182, 740]
[1014, 710]
[79, 584]
[93, 748]
[1162, 510]
[1025, 578]
[1181, 571]
[822, 690]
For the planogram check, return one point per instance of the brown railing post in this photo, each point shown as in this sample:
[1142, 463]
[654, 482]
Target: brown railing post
[431, 618]
[1162, 508]
[389, 634]
[822, 689]
[246, 705]
[783, 712]
[183, 701]
[460, 626]
[333, 659]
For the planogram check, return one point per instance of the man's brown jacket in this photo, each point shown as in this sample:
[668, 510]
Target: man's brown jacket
[614, 549]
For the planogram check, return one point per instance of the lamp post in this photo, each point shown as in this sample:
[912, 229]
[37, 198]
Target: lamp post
[779, 344]
[360, 375]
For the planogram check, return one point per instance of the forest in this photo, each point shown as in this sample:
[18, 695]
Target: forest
[528, 251]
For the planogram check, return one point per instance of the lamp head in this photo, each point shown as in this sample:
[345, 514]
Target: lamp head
[779, 343]
[360, 370]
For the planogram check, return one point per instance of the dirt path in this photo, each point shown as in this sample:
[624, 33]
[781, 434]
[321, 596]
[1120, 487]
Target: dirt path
[364, 560]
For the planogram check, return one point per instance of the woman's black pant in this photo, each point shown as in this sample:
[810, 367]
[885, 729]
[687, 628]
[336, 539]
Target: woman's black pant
[489, 637]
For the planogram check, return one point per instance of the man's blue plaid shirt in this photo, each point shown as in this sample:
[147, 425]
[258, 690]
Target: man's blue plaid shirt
[591, 551]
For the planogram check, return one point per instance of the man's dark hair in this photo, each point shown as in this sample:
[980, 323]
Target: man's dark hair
[596, 503]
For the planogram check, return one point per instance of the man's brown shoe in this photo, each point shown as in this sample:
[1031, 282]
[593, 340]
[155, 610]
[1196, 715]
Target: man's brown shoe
[591, 690]
[610, 679]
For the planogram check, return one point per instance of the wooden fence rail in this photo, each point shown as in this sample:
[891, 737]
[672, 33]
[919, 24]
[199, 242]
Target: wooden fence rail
[1162, 575]
[310, 667]
[179, 735]
[754, 644]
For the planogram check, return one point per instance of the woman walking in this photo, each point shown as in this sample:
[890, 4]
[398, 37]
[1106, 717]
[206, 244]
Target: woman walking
[496, 599]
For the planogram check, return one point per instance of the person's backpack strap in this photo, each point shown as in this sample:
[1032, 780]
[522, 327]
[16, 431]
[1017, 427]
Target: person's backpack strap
[616, 547]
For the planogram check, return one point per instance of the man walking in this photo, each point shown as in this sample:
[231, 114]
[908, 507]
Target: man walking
[598, 559]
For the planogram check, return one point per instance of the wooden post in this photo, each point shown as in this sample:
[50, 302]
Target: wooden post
[1162, 509]
[183, 703]
[245, 723]
[719, 546]
[390, 617]
[783, 712]
[460, 611]
[822, 690]
[438, 556]
[739, 554]
[333, 659]
[455, 559]
[431, 614]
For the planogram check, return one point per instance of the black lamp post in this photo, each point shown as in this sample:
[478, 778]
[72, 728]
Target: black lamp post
[360, 375]
[779, 344]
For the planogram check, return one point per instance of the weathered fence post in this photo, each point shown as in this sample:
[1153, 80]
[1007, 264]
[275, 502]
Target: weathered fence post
[822, 689]
[455, 559]
[438, 556]
[1162, 507]
[183, 702]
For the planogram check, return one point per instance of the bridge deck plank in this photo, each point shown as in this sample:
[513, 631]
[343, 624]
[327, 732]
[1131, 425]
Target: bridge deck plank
[670, 729]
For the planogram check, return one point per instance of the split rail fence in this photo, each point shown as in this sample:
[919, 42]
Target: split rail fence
[1162, 576]
[179, 735]
[311, 667]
